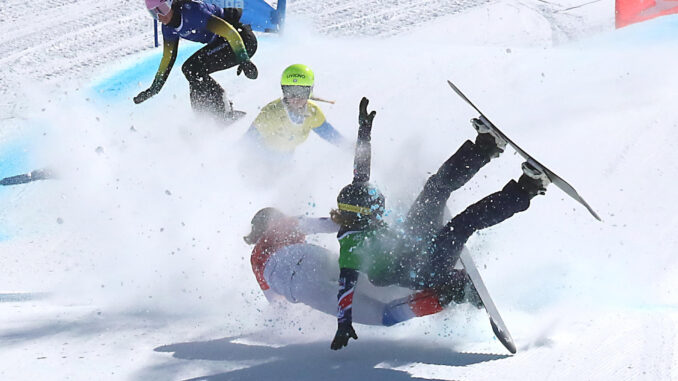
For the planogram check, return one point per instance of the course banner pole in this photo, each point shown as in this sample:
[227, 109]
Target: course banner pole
[155, 32]
[281, 10]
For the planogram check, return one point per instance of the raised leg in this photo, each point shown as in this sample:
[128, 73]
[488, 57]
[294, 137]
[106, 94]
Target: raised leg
[425, 216]
[444, 252]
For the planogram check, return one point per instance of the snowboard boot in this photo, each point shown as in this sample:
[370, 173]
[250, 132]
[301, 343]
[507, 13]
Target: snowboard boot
[534, 180]
[488, 139]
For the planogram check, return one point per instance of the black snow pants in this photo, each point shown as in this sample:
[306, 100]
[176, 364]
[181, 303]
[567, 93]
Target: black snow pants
[206, 94]
[432, 247]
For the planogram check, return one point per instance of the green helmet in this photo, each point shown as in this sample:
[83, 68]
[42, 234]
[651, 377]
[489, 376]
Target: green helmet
[297, 75]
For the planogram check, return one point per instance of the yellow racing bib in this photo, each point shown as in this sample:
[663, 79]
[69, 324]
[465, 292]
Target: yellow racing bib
[279, 133]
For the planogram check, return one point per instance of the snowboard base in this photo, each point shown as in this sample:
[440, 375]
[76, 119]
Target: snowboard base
[498, 326]
[555, 179]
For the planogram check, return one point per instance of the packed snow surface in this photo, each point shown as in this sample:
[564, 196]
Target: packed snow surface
[131, 264]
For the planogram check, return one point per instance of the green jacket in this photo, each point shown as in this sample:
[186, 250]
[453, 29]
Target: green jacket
[371, 252]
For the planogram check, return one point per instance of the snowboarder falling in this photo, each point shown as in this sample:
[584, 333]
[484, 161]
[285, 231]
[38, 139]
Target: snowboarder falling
[285, 123]
[288, 267]
[228, 43]
[422, 253]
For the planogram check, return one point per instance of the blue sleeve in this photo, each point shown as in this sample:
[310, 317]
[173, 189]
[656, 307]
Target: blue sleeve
[327, 132]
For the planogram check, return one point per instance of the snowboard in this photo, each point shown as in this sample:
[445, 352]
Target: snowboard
[233, 117]
[498, 326]
[555, 179]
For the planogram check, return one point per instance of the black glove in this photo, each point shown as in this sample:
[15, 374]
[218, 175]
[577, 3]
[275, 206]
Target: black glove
[144, 95]
[365, 120]
[344, 332]
[250, 70]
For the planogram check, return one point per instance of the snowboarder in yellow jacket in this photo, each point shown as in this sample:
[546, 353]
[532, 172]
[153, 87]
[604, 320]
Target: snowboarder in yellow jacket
[285, 123]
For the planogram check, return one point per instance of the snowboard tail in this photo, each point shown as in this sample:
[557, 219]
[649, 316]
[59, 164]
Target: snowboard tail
[233, 117]
[555, 179]
[498, 326]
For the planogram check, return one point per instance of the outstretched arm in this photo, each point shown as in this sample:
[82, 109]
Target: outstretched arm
[363, 149]
[220, 27]
[347, 280]
[169, 55]
[349, 263]
[316, 225]
[330, 134]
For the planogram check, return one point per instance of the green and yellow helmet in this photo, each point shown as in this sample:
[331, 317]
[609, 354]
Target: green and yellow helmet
[361, 199]
[297, 75]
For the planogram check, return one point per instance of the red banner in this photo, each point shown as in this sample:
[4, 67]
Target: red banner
[633, 11]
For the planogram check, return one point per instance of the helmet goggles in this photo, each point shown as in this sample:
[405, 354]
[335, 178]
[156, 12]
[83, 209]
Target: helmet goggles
[297, 92]
[163, 9]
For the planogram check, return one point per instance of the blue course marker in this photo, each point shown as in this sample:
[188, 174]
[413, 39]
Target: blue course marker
[124, 83]
[14, 160]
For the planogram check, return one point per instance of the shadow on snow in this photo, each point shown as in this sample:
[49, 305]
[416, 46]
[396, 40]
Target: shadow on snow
[313, 361]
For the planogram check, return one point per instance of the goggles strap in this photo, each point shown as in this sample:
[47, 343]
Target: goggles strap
[355, 208]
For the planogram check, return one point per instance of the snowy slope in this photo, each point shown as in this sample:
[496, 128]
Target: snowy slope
[132, 266]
